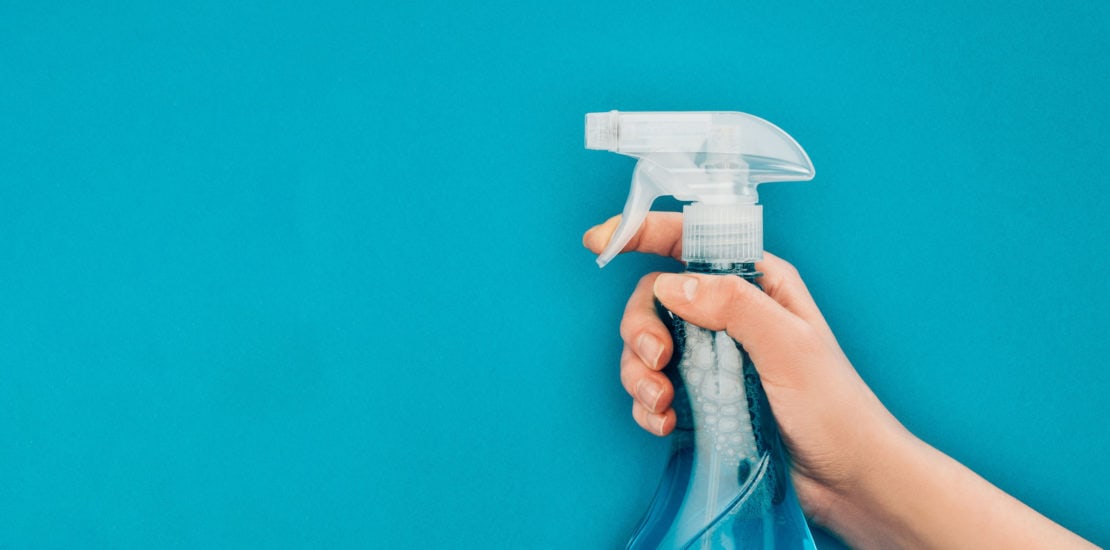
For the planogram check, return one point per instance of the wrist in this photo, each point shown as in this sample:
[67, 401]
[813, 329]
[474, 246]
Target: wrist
[911, 495]
[873, 506]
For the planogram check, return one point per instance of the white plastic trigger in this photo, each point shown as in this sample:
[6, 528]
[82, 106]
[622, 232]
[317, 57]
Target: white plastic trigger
[643, 193]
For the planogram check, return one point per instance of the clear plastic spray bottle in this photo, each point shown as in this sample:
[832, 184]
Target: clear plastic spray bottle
[726, 484]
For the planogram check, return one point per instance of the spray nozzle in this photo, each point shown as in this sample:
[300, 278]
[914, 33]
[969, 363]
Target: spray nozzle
[715, 159]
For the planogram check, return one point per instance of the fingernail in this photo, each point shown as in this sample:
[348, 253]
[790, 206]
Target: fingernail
[676, 286]
[649, 349]
[659, 422]
[649, 393]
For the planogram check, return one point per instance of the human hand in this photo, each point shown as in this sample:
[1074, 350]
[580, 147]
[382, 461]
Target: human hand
[828, 417]
[855, 468]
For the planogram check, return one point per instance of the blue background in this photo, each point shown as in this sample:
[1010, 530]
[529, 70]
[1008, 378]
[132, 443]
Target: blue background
[281, 275]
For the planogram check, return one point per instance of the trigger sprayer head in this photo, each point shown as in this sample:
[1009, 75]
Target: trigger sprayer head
[715, 159]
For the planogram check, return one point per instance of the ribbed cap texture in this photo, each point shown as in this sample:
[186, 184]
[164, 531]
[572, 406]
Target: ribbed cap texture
[722, 233]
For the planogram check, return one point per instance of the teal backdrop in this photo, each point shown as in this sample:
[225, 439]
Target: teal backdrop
[309, 275]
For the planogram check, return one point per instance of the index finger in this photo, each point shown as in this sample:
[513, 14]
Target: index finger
[661, 233]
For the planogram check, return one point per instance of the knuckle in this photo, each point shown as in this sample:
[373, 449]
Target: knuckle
[628, 330]
[639, 313]
[781, 273]
[632, 323]
[639, 414]
[632, 327]
[734, 291]
[790, 270]
[648, 281]
[628, 383]
[807, 339]
[628, 369]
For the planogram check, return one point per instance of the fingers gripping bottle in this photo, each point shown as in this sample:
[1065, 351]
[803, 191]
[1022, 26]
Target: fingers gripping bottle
[726, 484]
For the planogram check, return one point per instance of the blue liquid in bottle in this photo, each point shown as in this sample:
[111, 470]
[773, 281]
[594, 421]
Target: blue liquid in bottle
[726, 484]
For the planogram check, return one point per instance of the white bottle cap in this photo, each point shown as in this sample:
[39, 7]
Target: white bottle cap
[722, 233]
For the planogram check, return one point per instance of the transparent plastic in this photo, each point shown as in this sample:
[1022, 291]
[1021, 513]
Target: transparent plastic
[707, 157]
[726, 484]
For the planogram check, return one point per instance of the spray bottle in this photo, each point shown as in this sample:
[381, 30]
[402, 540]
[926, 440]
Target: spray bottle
[726, 484]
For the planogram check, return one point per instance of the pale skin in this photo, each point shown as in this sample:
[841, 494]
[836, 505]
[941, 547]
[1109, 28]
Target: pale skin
[857, 471]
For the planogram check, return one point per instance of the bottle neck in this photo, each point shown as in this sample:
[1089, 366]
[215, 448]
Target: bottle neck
[744, 269]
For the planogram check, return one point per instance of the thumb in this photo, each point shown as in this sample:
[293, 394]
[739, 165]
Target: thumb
[780, 343]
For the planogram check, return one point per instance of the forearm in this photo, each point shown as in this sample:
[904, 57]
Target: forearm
[914, 496]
